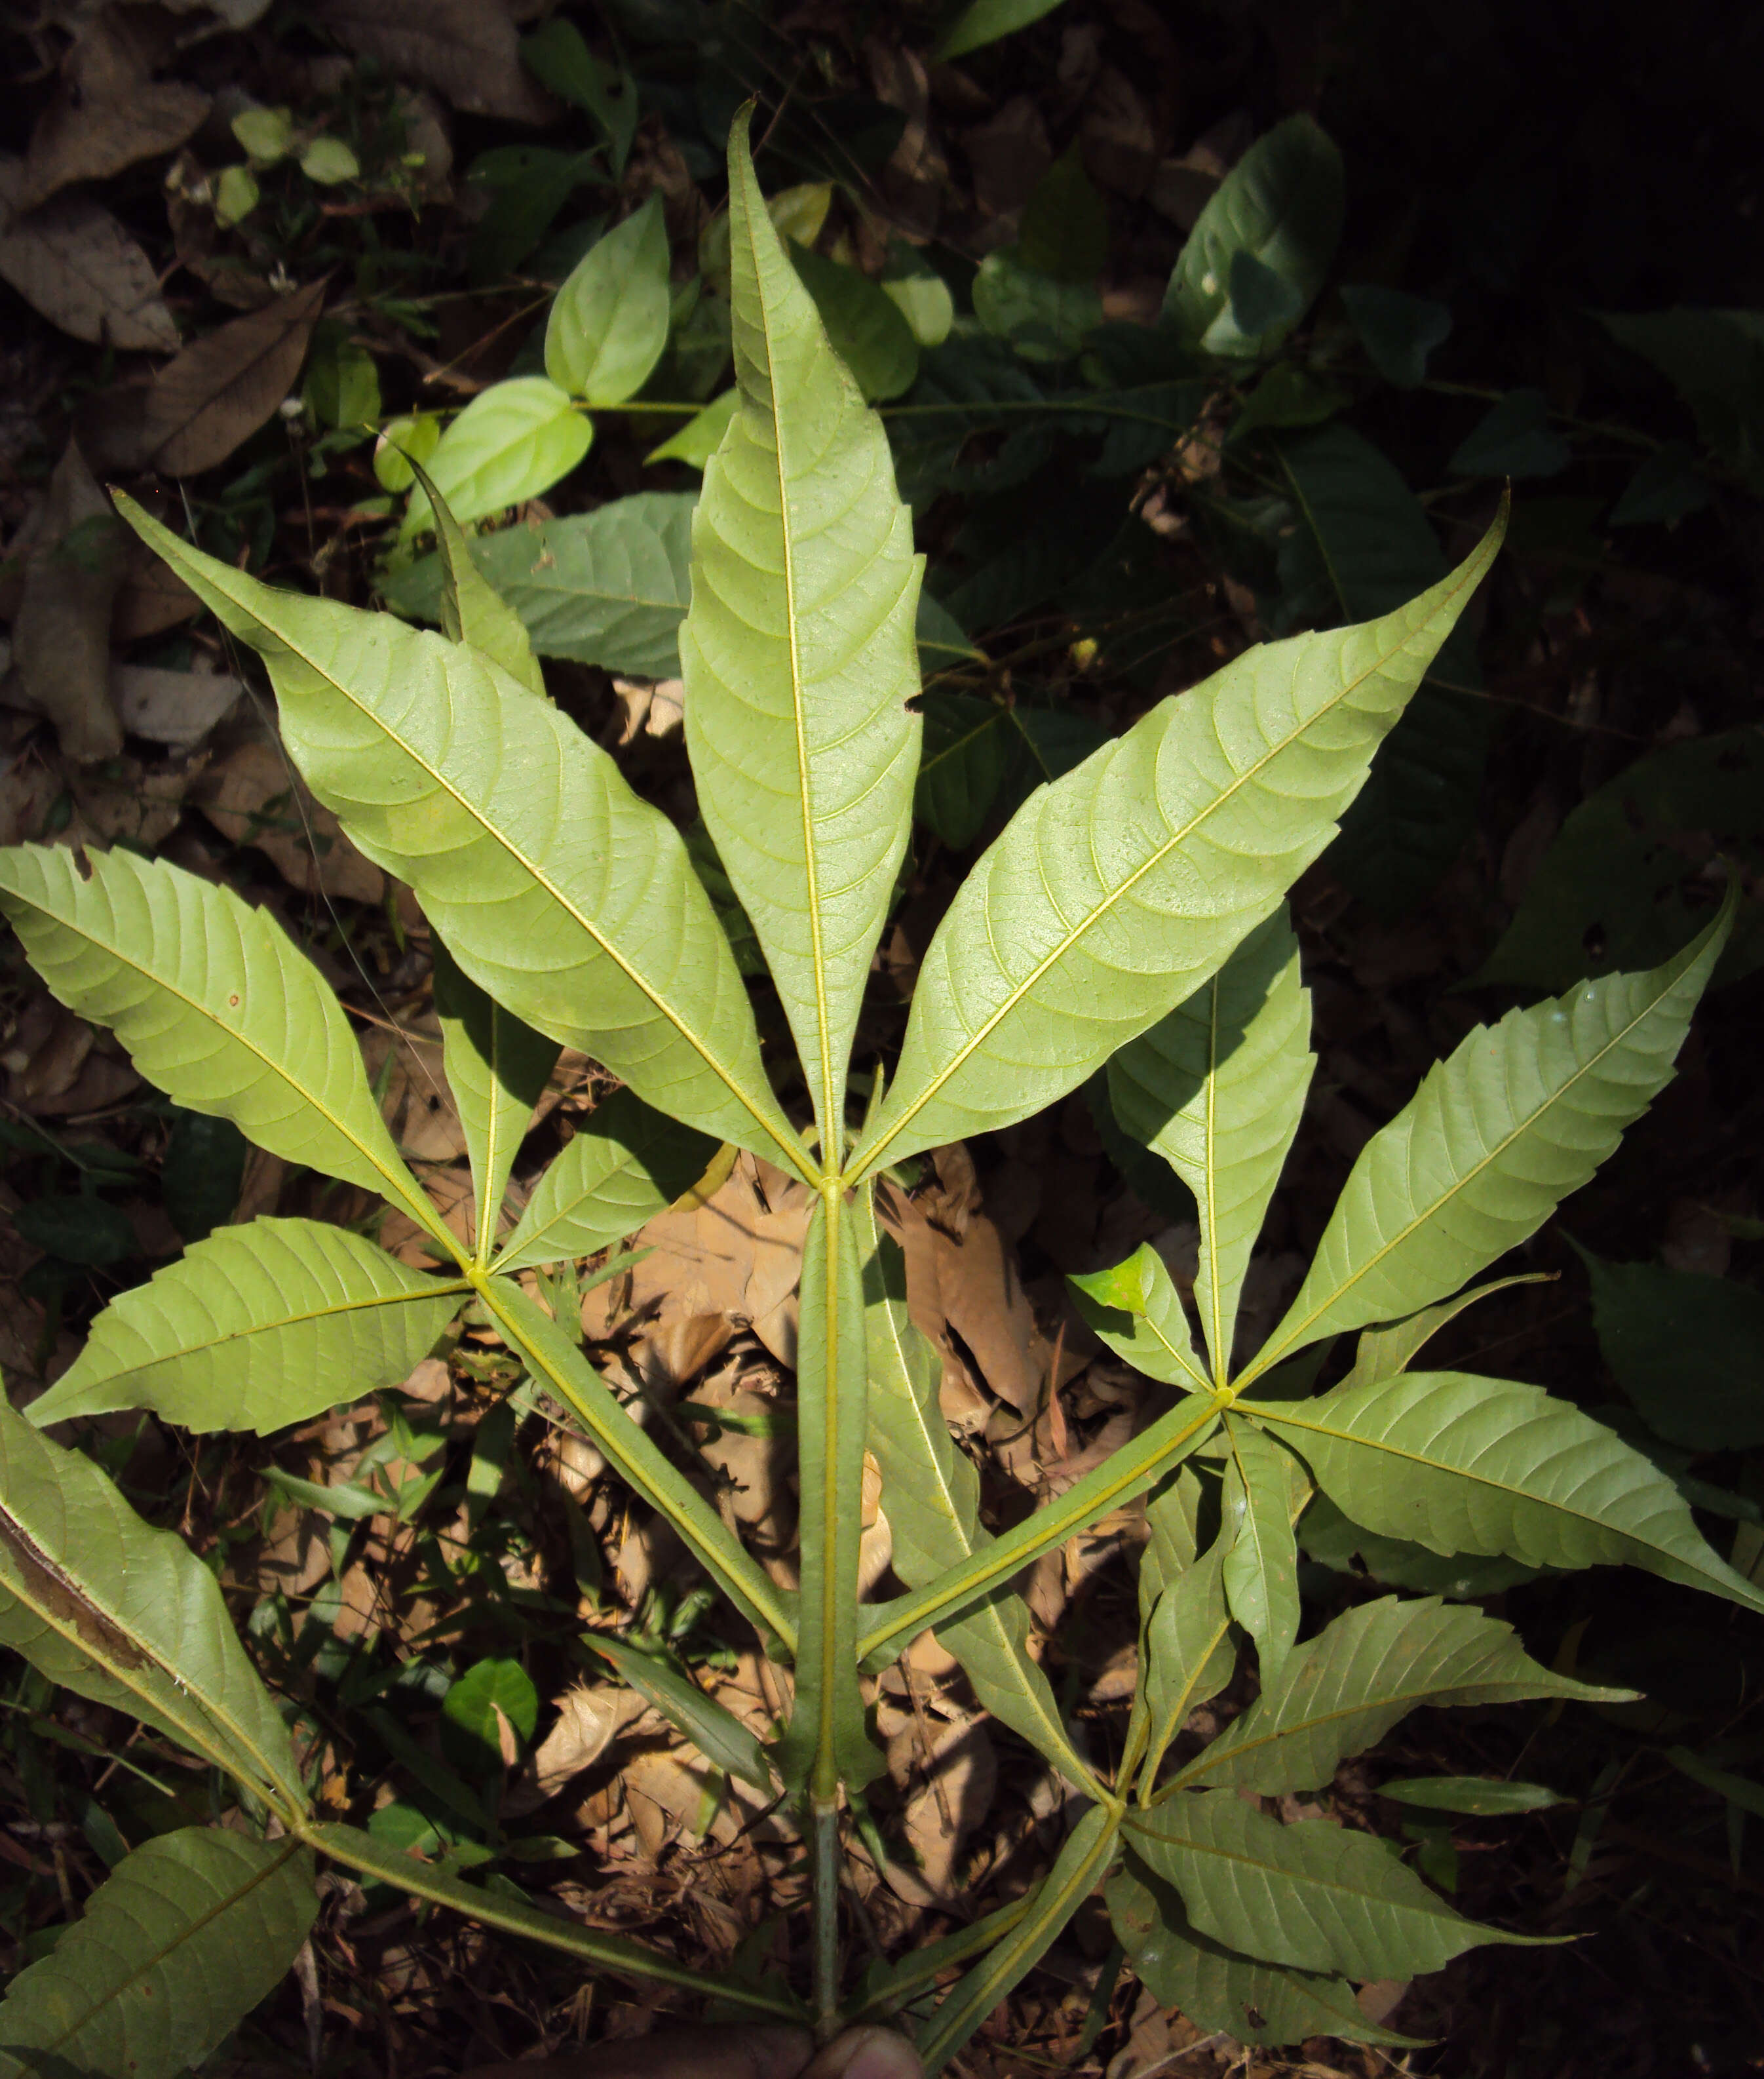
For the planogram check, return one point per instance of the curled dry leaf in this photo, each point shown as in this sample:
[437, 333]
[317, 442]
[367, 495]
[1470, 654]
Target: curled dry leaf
[108, 112]
[251, 797]
[61, 636]
[468, 50]
[216, 395]
[75, 263]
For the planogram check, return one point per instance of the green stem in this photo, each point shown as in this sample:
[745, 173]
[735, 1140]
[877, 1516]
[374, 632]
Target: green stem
[1131, 1470]
[358, 1851]
[824, 1816]
[556, 1363]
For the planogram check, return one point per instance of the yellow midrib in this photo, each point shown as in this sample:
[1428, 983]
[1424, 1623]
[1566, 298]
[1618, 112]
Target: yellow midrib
[187, 1931]
[1222, 1356]
[401, 1184]
[786, 1141]
[869, 1157]
[69, 1633]
[440, 1290]
[826, 1107]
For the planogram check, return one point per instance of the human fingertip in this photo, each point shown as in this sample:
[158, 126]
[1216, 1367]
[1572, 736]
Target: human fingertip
[868, 2053]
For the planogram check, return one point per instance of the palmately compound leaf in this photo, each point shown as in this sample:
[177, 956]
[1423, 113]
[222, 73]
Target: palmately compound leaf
[607, 588]
[1310, 1895]
[1340, 1692]
[1217, 1088]
[472, 611]
[1216, 1987]
[798, 655]
[175, 1948]
[1462, 1464]
[1519, 1115]
[215, 1004]
[1114, 893]
[255, 1327]
[1136, 1309]
[128, 1616]
[497, 1069]
[608, 322]
[718, 1734]
[627, 1163]
[930, 1494]
[1265, 1491]
[1279, 207]
[1076, 1872]
[566, 898]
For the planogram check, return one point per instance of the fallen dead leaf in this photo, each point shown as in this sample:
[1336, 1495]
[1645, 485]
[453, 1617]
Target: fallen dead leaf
[917, 171]
[757, 1468]
[57, 1066]
[252, 797]
[468, 50]
[665, 1793]
[705, 1259]
[962, 1778]
[25, 791]
[73, 260]
[984, 1302]
[418, 1105]
[215, 395]
[589, 1717]
[875, 1541]
[150, 596]
[122, 801]
[173, 708]
[1119, 144]
[61, 636]
[771, 1297]
[676, 1351]
[107, 113]
[1008, 156]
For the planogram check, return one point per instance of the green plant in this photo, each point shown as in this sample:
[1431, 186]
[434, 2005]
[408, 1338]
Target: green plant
[1129, 919]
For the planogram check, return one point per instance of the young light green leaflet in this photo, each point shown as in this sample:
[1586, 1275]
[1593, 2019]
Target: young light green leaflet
[1129, 923]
